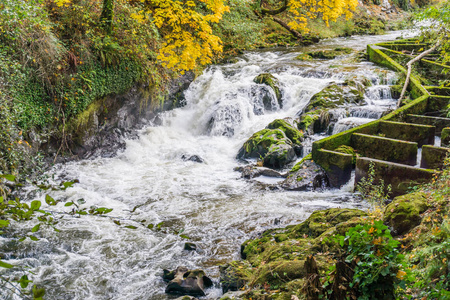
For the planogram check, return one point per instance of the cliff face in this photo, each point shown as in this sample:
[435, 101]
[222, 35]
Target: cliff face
[100, 130]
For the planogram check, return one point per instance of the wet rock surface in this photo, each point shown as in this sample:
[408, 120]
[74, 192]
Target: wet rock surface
[186, 282]
[308, 176]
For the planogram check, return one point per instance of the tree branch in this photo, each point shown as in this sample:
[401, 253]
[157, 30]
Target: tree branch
[409, 65]
[294, 32]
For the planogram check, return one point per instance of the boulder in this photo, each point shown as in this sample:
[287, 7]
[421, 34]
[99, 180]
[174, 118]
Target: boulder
[305, 176]
[326, 54]
[269, 80]
[187, 282]
[403, 213]
[279, 156]
[337, 95]
[276, 145]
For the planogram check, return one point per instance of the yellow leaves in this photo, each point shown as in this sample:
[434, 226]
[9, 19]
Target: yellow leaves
[401, 274]
[188, 33]
[61, 3]
[139, 17]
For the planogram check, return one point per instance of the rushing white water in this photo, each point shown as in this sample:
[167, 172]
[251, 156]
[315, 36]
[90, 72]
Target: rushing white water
[149, 182]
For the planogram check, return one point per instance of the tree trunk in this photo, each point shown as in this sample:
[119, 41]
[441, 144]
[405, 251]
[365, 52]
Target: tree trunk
[107, 15]
[294, 32]
[408, 74]
[313, 287]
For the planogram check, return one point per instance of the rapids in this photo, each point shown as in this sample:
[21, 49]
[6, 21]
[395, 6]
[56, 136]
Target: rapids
[149, 182]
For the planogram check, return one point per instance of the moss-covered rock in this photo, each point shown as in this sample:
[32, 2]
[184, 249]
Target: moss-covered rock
[322, 220]
[278, 156]
[403, 213]
[306, 176]
[337, 94]
[329, 54]
[291, 132]
[258, 145]
[269, 80]
[314, 121]
[276, 146]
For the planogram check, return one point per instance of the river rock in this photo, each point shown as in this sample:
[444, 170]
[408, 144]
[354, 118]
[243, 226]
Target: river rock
[337, 94]
[305, 176]
[187, 282]
[269, 80]
[190, 246]
[276, 146]
[194, 158]
[272, 143]
[327, 54]
[252, 171]
[279, 156]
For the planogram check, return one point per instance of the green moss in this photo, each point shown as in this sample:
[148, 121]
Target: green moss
[348, 150]
[299, 164]
[259, 143]
[303, 57]
[403, 213]
[335, 95]
[385, 149]
[321, 220]
[329, 54]
[291, 132]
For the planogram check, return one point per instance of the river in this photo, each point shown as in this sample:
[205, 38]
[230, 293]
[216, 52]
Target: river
[149, 182]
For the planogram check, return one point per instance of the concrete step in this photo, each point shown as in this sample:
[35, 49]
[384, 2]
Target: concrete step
[433, 157]
[439, 122]
[418, 133]
[377, 147]
[400, 177]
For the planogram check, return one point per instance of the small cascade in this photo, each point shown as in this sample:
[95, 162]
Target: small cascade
[348, 123]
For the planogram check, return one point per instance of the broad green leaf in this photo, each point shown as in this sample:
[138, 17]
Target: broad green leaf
[36, 228]
[9, 177]
[24, 281]
[33, 238]
[5, 265]
[184, 236]
[130, 227]
[68, 204]
[150, 226]
[35, 205]
[49, 200]
[4, 223]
